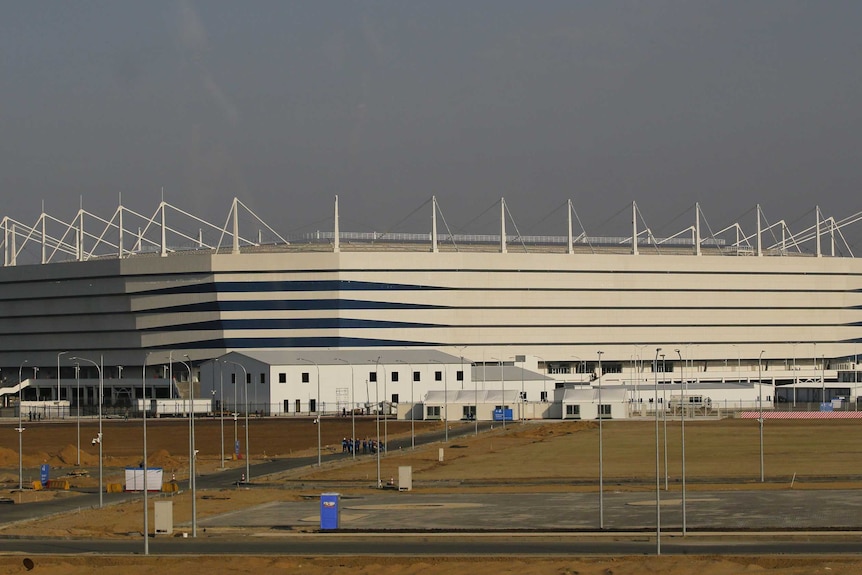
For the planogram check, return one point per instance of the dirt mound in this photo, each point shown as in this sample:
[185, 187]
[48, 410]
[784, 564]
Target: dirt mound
[69, 456]
[8, 457]
[163, 458]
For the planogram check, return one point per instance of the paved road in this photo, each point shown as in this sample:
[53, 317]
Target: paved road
[216, 480]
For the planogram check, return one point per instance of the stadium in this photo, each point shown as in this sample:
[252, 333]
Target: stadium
[103, 300]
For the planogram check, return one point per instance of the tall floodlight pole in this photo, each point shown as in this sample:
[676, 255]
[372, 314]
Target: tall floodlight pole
[99, 436]
[601, 458]
[317, 408]
[192, 451]
[352, 409]
[377, 414]
[144, 412]
[58, 378]
[412, 405]
[684, 388]
[245, 379]
[822, 378]
[78, 409]
[664, 418]
[20, 428]
[760, 403]
[657, 468]
[221, 405]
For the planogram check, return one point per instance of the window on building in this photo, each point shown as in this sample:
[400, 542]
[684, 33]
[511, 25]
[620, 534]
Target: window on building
[604, 411]
[305, 377]
[522, 395]
[543, 395]
[459, 375]
[468, 412]
[372, 376]
[434, 412]
[612, 368]
[438, 376]
[282, 378]
[394, 398]
[416, 376]
[573, 411]
[394, 377]
[263, 378]
[233, 378]
[248, 378]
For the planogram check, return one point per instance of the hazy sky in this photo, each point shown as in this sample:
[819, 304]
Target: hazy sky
[286, 104]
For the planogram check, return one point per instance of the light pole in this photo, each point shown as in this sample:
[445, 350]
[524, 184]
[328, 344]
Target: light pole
[352, 409]
[245, 379]
[221, 406]
[78, 408]
[446, 401]
[58, 379]
[98, 437]
[192, 451]
[760, 403]
[822, 379]
[144, 412]
[377, 415]
[412, 405]
[601, 469]
[657, 468]
[664, 418]
[20, 429]
[682, 427]
[317, 409]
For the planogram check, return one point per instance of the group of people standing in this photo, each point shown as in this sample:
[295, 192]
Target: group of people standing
[365, 446]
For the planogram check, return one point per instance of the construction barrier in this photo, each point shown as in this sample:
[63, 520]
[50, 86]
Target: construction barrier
[37, 485]
[114, 488]
[171, 487]
[61, 484]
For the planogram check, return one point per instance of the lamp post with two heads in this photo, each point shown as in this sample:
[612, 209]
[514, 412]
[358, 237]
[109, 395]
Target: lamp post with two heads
[317, 409]
[20, 428]
[99, 436]
[412, 405]
[601, 458]
[657, 466]
[352, 409]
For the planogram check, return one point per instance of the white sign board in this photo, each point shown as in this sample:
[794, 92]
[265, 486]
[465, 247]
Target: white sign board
[135, 479]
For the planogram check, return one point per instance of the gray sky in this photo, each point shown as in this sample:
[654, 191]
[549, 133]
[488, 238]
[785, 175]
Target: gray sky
[285, 104]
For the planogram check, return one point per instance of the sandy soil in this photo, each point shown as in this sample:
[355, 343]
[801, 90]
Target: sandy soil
[559, 455]
[441, 566]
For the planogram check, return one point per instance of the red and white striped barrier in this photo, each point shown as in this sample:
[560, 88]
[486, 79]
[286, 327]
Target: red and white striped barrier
[802, 415]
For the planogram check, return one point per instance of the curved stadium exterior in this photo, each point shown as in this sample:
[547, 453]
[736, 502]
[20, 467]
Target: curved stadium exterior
[722, 310]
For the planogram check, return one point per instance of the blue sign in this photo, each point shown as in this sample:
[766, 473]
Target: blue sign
[499, 414]
[825, 406]
[45, 474]
[236, 448]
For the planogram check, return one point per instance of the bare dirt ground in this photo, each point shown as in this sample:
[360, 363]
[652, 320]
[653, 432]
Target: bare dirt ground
[551, 456]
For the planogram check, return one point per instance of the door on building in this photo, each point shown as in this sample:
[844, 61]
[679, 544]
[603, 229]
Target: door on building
[286, 405]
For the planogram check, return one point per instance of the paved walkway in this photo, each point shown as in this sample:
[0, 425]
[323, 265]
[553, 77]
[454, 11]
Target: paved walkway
[717, 510]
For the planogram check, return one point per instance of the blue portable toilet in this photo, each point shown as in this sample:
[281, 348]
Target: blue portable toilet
[330, 510]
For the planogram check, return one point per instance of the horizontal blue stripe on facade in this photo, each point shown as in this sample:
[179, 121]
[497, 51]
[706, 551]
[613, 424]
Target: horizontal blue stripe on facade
[289, 305]
[294, 342]
[292, 323]
[287, 286]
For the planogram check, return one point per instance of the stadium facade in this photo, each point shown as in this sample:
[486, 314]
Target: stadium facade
[712, 309]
